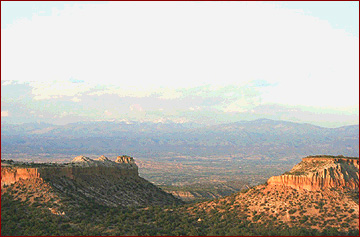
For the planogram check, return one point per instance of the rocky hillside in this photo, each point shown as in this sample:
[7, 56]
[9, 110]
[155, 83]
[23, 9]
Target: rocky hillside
[318, 172]
[319, 193]
[72, 206]
[205, 190]
[101, 181]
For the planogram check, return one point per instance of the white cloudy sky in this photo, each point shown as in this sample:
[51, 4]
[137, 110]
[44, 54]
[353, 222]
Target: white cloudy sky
[207, 62]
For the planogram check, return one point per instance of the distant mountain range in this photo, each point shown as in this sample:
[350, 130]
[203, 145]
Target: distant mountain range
[268, 139]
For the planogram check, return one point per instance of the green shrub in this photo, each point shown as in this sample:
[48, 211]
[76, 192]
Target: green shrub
[292, 211]
[256, 217]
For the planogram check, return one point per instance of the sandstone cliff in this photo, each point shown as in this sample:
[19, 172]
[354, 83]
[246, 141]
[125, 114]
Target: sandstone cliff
[86, 180]
[318, 172]
[10, 175]
[80, 166]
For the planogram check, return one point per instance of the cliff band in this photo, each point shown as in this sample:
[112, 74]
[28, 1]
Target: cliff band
[101, 180]
[79, 167]
[315, 173]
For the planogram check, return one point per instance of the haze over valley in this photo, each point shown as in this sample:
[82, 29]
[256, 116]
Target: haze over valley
[171, 153]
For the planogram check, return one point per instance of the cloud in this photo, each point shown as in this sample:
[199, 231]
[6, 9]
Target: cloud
[123, 91]
[194, 108]
[6, 83]
[180, 120]
[239, 106]
[224, 56]
[75, 99]
[4, 113]
[135, 48]
[136, 107]
[107, 113]
[76, 81]
[169, 94]
[56, 89]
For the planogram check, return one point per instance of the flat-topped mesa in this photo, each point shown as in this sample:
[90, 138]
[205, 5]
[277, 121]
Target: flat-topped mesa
[318, 172]
[78, 167]
[85, 180]
[335, 159]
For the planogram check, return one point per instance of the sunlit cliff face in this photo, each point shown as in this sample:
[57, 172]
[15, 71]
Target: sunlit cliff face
[123, 166]
[315, 173]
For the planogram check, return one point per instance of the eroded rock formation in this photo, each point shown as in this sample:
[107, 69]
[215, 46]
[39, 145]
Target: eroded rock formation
[85, 180]
[314, 173]
[78, 167]
[10, 175]
[125, 160]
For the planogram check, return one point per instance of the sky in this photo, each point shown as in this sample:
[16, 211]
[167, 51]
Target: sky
[203, 62]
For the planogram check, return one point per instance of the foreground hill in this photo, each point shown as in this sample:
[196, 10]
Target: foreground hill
[274, 208]
[84, 180]
[319, 193]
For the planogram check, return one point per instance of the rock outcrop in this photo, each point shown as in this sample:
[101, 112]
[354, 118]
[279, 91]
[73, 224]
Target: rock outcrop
[87, 180]
[77, 168]
[125, 160]
[82, 159]
[103, 158]
[10, 175]
[318, 172]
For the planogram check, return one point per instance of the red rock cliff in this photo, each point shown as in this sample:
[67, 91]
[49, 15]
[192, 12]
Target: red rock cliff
[314, 173]
[11, 175]
[79, 169]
